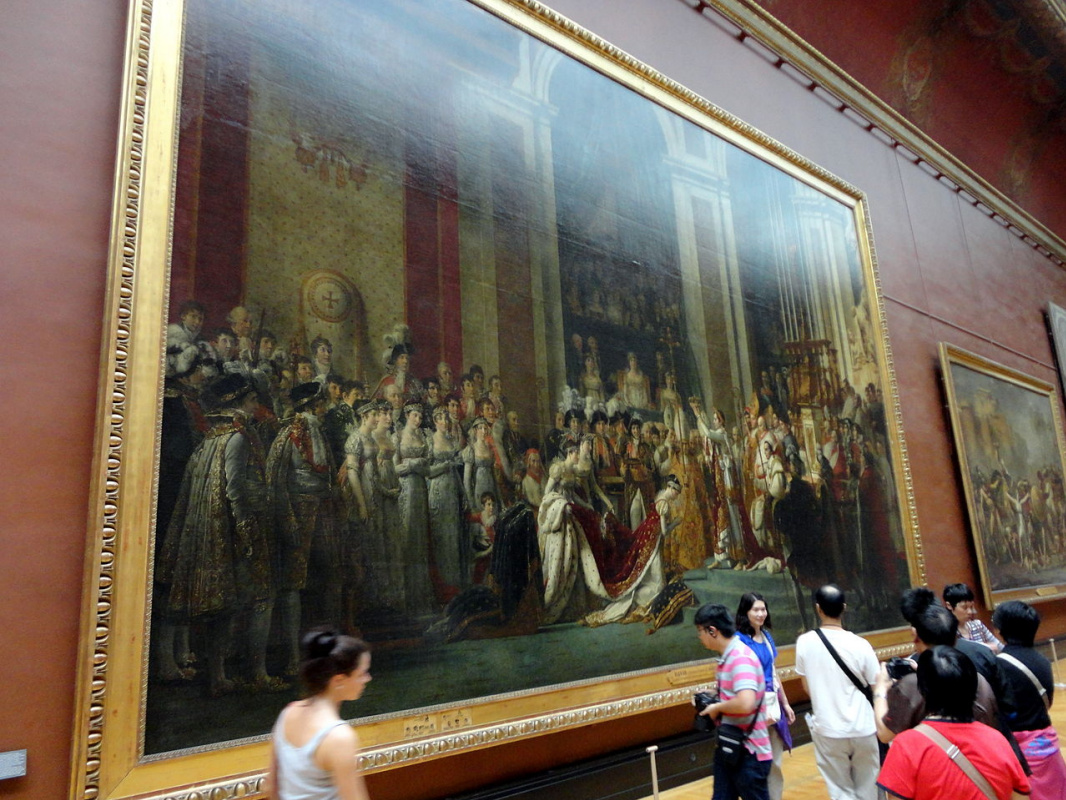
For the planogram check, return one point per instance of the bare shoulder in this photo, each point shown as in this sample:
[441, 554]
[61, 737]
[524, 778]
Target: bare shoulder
[341, 742]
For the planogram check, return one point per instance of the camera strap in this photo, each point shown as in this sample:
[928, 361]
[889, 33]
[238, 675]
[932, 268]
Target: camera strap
[867, 692]
[961, 761]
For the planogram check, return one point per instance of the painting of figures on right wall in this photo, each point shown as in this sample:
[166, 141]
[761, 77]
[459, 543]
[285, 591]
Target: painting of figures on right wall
[1008, 435]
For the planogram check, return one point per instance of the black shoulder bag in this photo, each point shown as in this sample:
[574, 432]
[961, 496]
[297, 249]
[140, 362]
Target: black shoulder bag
[731, 738]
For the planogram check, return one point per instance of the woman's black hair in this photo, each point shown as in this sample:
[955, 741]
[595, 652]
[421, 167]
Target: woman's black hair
[947, 679]
[1017, 622]
[326, 653]
[715, 615]
[747, 600]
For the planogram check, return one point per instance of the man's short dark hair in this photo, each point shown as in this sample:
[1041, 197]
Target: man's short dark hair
[1017, 622]
[351, 385]
[224, 331]
[830, 598]
[936, 625]
[335, 377]
[715, 615]
[955, 593]
[191, 305]
[947, 679]
[914, 602]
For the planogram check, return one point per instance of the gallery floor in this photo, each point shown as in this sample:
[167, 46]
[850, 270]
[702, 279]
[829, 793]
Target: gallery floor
[802, 781]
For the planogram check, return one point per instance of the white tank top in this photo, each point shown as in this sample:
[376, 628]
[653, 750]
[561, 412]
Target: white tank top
[298, 777]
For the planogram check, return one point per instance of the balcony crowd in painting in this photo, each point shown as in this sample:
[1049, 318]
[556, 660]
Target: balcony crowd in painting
[425, 506]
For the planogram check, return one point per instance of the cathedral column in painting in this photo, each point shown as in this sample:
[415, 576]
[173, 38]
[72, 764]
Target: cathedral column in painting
[709, 263]
[508, 247]
[826, 270]
[544, 251]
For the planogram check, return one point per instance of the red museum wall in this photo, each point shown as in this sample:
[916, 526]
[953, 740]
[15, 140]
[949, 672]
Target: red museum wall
[948, 273]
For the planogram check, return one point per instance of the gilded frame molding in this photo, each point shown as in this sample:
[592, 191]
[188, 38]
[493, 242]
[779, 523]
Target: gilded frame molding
[965, 446]
[108, 761]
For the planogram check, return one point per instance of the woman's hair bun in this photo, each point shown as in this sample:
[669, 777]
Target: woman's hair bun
[319, 643]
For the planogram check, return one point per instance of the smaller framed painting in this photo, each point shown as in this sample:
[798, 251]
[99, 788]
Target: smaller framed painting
[1008, 434]
[1056, 322]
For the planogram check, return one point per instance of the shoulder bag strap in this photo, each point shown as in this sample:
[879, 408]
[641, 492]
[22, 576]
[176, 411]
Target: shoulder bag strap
[755, 716]
[1029, 674]
[867, 692]
[961, 761]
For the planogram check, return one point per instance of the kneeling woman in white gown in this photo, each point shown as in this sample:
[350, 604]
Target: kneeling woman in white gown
[584, 552]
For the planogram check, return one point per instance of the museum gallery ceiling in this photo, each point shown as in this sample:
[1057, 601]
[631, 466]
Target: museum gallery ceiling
[934, 61]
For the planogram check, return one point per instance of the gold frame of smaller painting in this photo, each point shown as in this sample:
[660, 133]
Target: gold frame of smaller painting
[1007, 424]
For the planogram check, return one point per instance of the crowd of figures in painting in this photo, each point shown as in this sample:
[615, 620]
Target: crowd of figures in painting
[1021, 519]
[408, 506]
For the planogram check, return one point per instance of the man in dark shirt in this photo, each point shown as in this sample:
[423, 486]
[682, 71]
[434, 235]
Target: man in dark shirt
[898, 705]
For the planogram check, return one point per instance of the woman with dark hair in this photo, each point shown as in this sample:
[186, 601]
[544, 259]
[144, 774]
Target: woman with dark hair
[451, 556]
[591, 386]
[387, 498]
[930, 761]
[753, 627]
[411, 460]
[479, 466]
[315, 752]
[1028, 691]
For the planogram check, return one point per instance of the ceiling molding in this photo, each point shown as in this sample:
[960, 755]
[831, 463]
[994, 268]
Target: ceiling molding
[821, 76]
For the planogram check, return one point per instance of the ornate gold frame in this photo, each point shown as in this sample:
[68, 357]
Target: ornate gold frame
[951, 355]
[108, 761]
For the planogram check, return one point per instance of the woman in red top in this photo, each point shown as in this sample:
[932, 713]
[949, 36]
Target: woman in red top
[918, 768]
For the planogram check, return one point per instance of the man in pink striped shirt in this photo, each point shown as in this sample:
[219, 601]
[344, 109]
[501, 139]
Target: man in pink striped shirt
[741, 686]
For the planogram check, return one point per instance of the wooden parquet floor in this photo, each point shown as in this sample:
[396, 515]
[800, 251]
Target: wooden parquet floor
[802, 780]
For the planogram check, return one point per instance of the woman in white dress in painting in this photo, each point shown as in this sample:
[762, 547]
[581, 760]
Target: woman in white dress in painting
[451, 554]
[412, 466]
[634, 384]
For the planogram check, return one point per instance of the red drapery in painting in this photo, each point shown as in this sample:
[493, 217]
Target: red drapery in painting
[433, 295]
[210, 221]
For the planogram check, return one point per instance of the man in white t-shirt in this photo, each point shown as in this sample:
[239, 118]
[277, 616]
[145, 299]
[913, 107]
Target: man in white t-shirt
[842, 725]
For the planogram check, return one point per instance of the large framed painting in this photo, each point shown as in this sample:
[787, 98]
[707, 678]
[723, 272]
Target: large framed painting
[448, 324]
[1008, 436]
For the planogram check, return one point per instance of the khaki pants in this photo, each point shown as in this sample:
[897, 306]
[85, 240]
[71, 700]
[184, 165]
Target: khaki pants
[849, 766]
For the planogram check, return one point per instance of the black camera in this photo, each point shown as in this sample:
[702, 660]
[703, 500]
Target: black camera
[899, 667]
[701, 701]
